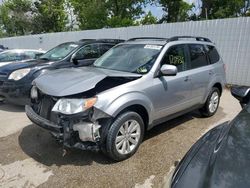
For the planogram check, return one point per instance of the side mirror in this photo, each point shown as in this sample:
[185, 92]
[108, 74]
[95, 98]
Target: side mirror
[242, 93]
[168, 70]
[74, 59]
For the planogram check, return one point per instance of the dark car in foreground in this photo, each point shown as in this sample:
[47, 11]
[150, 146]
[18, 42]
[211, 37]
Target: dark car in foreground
[221, 158]
[16, 78]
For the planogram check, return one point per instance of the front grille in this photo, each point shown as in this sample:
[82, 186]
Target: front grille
[43, 107]
[1, 83]
[3, 74]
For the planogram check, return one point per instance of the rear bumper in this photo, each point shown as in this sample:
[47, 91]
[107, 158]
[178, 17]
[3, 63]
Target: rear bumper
[15, 93]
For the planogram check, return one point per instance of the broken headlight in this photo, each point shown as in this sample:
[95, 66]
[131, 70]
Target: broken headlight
[73, 106]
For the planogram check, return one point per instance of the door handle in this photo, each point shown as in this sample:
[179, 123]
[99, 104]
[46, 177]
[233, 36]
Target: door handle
[211, 72]
[187, 79]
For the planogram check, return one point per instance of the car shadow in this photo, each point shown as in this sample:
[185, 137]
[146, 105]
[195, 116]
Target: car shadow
[166, 126]
[42, 147]
[11, 107]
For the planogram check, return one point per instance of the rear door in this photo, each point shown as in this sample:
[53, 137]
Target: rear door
[104, 47]
[200, 70]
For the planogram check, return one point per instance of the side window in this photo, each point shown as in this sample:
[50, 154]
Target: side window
[29, 55]
[198, 56]
[11, 56]
[176, 56]
[90, 51]
[213, 54]
[104, 48]
[32, 54]
[38, 54]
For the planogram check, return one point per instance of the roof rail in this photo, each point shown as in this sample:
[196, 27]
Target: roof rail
[147, 38]
[111, 40]
[83, 40]
[189, 37]
[103, 40]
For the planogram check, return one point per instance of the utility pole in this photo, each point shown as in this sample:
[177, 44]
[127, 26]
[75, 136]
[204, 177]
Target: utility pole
[206, 13]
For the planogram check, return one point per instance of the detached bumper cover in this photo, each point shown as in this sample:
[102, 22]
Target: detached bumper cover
[40, 121]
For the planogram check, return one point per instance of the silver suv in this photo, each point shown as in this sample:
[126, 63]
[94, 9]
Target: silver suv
[133, 87]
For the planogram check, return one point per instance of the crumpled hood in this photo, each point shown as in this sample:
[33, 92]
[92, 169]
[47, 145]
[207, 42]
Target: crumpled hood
[65, 82]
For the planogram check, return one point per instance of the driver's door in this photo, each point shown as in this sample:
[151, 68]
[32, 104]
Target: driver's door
[173, 93]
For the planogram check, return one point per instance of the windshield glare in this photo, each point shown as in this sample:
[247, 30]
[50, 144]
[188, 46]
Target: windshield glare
[134, 58]
[59, 52]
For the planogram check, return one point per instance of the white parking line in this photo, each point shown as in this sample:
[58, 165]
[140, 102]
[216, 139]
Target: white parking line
[147, 184]
[27, 173]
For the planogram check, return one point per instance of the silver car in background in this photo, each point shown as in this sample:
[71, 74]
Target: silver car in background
[130, 89]
[10, 56]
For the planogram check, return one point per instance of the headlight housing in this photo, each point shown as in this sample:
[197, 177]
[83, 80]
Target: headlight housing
[19, 74]
[73, 106]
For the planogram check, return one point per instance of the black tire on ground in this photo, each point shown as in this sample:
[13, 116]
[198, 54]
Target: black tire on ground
[205, 110]
[113, 133]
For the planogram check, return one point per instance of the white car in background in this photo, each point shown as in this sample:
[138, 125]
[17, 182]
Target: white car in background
[10, 56]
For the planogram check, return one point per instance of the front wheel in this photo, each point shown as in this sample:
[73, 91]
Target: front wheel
[212, 103]
[125, 136]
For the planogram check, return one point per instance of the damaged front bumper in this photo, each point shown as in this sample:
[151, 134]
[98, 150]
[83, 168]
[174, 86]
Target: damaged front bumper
[73, 131]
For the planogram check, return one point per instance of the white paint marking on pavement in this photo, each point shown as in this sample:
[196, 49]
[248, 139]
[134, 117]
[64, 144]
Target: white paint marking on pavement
[147, 184]
[26, 173]
[168, 177]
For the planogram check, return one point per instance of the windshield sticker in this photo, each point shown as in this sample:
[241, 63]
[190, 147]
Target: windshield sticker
[176, 60]
[142, 70]
[73, 45]
[153, 47]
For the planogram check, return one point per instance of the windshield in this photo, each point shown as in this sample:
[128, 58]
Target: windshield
[59, 52]
[134, 58]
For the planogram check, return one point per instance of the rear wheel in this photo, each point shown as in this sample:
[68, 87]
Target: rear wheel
[125, 136]
[212, 103]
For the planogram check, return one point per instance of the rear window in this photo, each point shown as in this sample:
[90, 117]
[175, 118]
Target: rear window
[213, 54]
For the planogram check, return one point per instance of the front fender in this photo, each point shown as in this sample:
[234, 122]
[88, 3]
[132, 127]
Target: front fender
[114, 107]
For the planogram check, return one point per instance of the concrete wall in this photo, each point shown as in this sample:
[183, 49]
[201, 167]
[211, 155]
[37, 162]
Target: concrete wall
[232, 37]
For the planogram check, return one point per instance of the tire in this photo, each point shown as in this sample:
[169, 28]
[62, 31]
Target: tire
[127, 127]
[212, 103]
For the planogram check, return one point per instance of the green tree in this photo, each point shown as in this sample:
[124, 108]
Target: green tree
[213, 9]
[49, 16]
[175, 11]
[91, 14]
[15, 16]
[148, 19]
[96, 14]
[123, 13]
